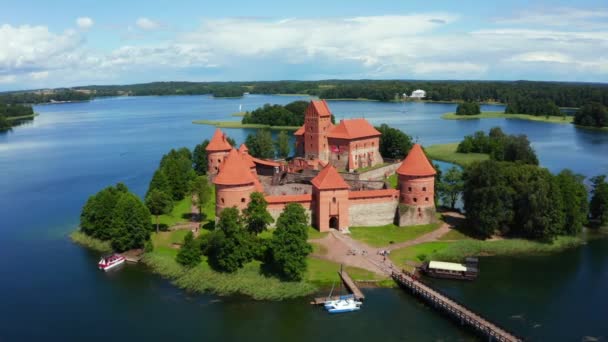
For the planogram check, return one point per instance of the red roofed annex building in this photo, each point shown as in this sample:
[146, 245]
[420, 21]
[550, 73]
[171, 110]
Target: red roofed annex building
[350, 145]
[332, 202]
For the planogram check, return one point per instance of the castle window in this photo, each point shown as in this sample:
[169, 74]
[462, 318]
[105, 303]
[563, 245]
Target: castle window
[222, 200]
[333, 200]
[219, 160]
[338, 157]
[409, 188]
[424, 188]
[243, 200]
[426, 199]
[415, 199]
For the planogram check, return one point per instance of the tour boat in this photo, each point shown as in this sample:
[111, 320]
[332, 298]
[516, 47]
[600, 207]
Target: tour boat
[440, 269]
[343, 305]
[111, 261]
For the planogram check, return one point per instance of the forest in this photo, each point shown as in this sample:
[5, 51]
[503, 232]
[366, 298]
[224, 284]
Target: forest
[562, 94]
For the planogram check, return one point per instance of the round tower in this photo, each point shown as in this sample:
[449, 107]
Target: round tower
[416, 189]
[234, 183]
[217, 150]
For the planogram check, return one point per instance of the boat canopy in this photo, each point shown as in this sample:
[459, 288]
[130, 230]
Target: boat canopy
[448, 266]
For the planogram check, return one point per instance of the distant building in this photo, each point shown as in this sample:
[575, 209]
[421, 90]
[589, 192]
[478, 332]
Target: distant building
[418, 94]
[328, 199]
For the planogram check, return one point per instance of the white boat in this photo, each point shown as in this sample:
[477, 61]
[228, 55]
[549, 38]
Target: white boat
[111, 261]
[344, 305]
[329, 303]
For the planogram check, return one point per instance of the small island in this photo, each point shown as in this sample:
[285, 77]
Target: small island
[226, 220]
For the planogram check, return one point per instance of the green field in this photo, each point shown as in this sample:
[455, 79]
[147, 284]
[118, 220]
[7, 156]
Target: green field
[236, 124]
[447, 153]
[180, 213]
[456, 251]
[392, 180]
[492, 115]
[390, 233]
[238, 114]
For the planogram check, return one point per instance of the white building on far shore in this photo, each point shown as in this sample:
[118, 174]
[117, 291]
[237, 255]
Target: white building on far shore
[418, 94]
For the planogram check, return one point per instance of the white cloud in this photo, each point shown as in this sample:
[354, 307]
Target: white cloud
[561, 16]
[39, 75]
[147, 24]
[84, 23]
[540, 56]
[451, 69]
[7, 79]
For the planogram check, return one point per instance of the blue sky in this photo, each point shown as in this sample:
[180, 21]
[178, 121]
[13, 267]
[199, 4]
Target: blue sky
[69, 43]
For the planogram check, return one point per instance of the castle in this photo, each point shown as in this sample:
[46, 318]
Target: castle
[330, 200]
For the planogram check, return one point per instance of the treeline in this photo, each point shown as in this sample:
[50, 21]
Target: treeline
[560, 93]
[514, 199]
[32, 97]
[592, 115]
[533, 106]
[10, 111]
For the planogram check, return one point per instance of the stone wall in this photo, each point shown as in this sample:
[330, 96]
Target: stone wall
[378, 174]
[416, 215]
[276, 210]
[376, 212]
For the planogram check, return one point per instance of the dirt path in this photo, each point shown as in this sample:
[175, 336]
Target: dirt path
[342, 248]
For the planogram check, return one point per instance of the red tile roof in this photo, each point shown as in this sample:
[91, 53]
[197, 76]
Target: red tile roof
[329, 179]
[416, 164]
[234, 171]
[265, 162]
[353, 129]
[243, 148]
[288, 198]
[218, 142]
[319, 107]
[372, 193]
[300, 131]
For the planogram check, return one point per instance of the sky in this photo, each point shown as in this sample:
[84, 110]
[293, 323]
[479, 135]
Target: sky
[66, 43]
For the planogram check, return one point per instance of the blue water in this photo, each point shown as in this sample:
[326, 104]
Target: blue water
[50, 288]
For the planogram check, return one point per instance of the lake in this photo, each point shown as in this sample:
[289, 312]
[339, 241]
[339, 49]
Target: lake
[52, 290]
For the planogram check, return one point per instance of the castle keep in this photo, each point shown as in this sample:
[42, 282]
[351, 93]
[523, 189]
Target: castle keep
[331, 199]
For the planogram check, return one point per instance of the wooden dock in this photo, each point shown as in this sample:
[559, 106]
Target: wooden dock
[350, 285]
[454, 309]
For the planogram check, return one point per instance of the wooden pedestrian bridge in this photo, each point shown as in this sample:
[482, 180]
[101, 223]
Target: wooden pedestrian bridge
[452, 308]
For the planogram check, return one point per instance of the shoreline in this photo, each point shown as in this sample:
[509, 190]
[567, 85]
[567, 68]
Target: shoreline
[236, 124]
[447, 153]
[495, 115]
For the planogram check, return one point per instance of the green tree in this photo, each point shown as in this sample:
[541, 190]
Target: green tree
[593, 114]
[451, 186]
[230, 246]
[468, 108]
[159, 182]
[4, 123]
[97, 214]
[256, 214]
[177, 166]
[282, 145]
[130, 223]
[575, 199]
[199, 158]
[598, 208]
[394, 144]
[189, 254]
[202, 191]
[158, 203]
[289, 247]
[260, 144]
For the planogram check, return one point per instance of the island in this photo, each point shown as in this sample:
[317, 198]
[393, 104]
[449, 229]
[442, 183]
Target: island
[231, 220]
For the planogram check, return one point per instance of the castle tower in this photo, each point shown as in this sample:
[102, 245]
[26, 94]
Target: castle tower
[234, 183]
[217, 150]
[317, 124]
[416, 189]
[330, 200]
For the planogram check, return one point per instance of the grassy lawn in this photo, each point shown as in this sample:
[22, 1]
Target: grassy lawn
[313, 233]
[489, 115]
[385, 235]
[369, 168]
[180, 213]
[392, 180]
[236, 124]
[455, 234]
[323, 272]
[456, 251]
[447, 153]
[239, 114]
